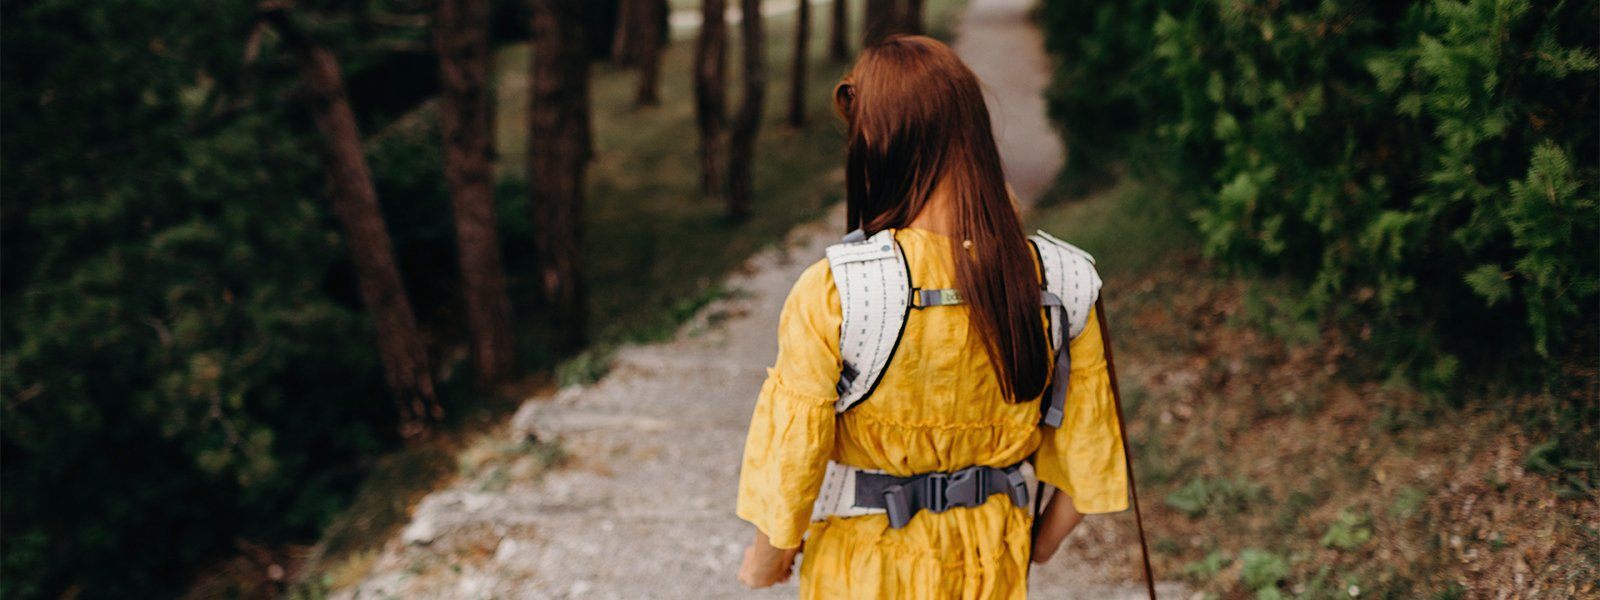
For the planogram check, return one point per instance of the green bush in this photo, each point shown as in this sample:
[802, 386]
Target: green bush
[1428, 167]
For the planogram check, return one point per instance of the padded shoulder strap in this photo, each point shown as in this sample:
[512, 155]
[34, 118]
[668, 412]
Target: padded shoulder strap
[874, 284]
[1071, 287]
[1069, 274]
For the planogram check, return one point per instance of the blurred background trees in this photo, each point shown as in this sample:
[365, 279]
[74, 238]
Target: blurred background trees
[239, 235]
[747, 122]
[461, 40]
[710, 94]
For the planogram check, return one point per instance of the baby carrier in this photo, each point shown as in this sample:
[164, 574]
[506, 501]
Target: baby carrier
[877, 296]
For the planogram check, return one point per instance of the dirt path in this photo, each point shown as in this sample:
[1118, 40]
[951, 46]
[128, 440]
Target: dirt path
[643, 506]
[998, 40]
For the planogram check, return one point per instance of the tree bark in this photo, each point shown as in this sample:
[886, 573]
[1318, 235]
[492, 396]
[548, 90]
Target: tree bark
[558, 155]
[797, 71]
[710, 96]
[624, 43]
[461, 38]
[355, 205]
[651, 45]
[839, 35]
[747, 124]
[882, 18]
[911, 21]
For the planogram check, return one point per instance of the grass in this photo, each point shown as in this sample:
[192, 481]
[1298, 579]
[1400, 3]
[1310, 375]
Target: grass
[1129, 229]
[1273, 465]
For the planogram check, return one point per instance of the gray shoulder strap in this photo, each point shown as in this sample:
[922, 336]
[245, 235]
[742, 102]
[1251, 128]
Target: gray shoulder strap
[874, 284]
[1071, 286]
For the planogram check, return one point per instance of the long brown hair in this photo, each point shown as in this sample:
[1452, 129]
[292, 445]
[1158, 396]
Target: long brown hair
[916, 119]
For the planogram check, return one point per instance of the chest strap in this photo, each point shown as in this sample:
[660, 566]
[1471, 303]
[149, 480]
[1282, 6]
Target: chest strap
[1054, 410]
[851, 492]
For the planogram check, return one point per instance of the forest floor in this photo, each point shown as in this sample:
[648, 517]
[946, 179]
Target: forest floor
[1274, 462]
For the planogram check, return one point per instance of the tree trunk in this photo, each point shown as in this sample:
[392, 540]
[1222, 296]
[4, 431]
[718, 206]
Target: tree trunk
[460, 33]
[710, 101]
[839, 35]
[355, 205]
[911, 21]
[797, 71]
[747, 124]
[624, 43]
[651, 45]
[558, 154]
[882, 18]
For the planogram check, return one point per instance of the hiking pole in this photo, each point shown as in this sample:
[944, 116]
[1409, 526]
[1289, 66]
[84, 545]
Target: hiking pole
[1127, 452]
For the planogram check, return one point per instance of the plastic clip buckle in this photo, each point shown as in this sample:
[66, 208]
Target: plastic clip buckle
[1017, 487]
[966, 487]
[897, 506]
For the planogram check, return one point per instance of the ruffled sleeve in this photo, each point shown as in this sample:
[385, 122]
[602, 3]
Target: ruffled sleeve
[792, 431]
[1083, 458]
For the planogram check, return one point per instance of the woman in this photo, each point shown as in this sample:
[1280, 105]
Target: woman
[958, 397]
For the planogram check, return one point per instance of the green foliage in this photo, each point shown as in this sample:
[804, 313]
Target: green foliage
[1427, 166]
[1407, 503]
[1574, 471]
[1350, 530]
[1452, 591]
[1261, 570]
[1208, 567]
[585, 368]
[1213, 495]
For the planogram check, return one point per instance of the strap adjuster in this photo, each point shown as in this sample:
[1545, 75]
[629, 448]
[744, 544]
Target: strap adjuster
[925, 298]
[897, 506]
[1017, 486]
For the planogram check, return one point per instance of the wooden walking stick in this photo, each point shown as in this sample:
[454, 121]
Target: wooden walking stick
[1127, 452]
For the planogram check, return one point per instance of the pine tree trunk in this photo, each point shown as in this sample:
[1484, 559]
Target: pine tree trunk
[797, 71]
[651, 46]
[710, 96]
[839, 34]
[911, 20]
[366, 237]
[558, 154]
[882, 18]
[747, 124]
[461, 39]
[624, 43]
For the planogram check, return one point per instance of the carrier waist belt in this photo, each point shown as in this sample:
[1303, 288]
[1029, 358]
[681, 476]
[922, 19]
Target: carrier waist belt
[848, 491]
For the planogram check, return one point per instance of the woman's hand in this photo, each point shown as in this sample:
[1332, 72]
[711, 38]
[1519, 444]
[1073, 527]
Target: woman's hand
[1058, 520]
[765, 565]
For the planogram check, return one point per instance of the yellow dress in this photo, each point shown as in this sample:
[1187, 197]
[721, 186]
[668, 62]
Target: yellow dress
[938, 407]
